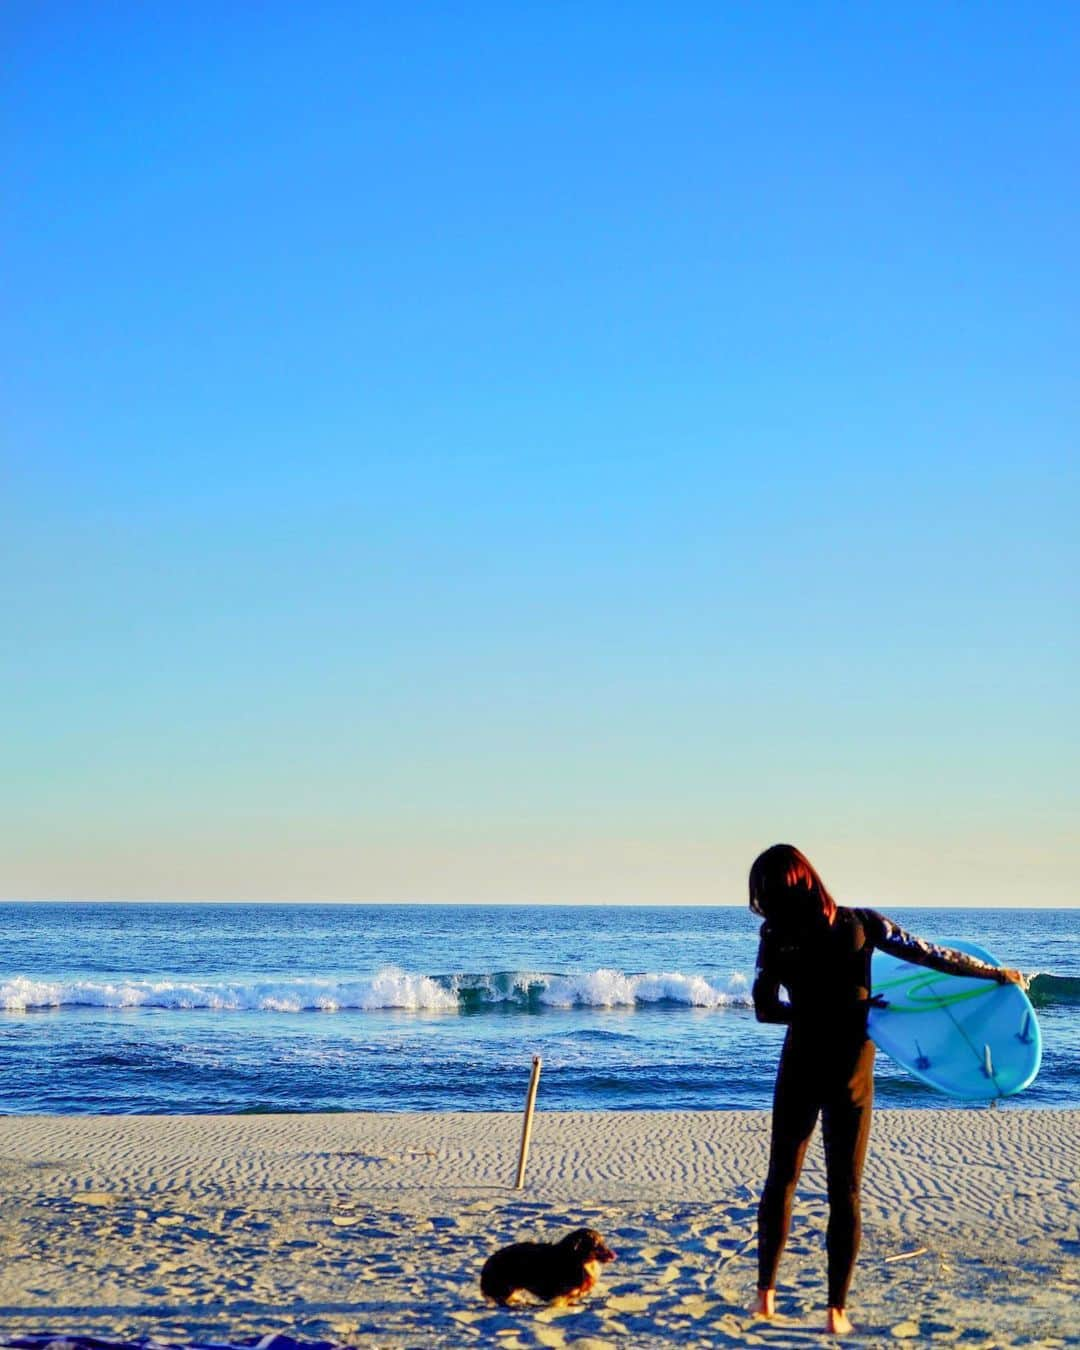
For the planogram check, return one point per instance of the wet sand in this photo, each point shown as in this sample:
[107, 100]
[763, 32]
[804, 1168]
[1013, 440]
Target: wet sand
[371, 1229]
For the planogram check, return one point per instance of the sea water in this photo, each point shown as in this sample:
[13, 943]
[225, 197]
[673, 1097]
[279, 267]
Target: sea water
[232, 1007]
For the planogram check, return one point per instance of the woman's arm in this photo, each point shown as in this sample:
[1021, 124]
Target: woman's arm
[768, 1005]
[891, 938]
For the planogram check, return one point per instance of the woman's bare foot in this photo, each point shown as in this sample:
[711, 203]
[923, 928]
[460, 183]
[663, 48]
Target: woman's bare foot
[837, 1323]
[766, 1303]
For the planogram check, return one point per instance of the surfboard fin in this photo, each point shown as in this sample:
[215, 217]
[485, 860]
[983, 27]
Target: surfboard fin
[1024, 1035]
[922, 1061]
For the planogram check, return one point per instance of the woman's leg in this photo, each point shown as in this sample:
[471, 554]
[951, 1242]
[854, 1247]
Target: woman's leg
[845, 1130]
[795, 1111]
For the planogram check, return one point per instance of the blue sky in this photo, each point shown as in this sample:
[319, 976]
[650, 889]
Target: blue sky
[539, 452]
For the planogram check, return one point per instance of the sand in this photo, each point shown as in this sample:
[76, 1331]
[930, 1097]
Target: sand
[371, 1229]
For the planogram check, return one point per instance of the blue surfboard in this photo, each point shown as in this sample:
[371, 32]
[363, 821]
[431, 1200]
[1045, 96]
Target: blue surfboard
[969, 1038]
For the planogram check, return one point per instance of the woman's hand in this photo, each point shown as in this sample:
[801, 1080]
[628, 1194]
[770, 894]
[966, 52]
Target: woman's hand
[1009, 976]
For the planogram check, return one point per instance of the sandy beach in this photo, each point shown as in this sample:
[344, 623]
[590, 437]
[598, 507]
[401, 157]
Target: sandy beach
[371, 1229]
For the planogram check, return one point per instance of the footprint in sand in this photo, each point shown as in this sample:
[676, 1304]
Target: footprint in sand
[630, 1303]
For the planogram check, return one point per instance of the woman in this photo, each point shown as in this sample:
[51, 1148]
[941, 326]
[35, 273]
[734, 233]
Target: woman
[820, 953]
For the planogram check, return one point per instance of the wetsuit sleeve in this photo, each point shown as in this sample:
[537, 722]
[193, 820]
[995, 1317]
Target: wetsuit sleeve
[768, 1006]
[891, 938]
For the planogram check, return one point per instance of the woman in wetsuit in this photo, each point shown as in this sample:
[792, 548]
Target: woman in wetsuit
[821, 953]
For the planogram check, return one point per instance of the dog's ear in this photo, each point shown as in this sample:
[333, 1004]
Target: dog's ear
[583, 1242]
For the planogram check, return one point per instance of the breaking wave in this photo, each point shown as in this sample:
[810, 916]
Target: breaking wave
[393, 988]
[389, 988]
[1050, 990]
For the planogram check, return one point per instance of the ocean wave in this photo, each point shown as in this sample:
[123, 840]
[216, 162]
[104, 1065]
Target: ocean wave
[1049, 990]
[393, 988]
[389, 988]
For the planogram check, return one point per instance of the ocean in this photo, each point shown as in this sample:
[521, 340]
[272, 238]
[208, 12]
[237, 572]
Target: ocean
[247, 1008]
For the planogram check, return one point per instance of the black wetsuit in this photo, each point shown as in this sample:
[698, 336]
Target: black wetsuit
[827, 1067]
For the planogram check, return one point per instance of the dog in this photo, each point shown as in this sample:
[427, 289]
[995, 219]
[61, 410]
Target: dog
[557, 1272]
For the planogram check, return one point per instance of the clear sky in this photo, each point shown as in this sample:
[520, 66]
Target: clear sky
[539, 452]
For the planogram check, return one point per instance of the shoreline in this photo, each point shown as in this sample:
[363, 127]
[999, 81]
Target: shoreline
[370, 1228]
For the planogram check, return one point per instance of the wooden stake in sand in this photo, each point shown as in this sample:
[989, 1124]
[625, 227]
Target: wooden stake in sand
[526, 1127]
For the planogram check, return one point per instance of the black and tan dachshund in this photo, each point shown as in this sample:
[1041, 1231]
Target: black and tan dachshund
[557, 1272]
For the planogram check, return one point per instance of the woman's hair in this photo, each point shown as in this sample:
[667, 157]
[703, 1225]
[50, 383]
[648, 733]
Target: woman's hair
[785, 889]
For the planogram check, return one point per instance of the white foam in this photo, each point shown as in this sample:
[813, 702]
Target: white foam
[389, 988]
[613, 989]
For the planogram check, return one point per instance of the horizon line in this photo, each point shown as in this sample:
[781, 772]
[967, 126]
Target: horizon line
[499, 904]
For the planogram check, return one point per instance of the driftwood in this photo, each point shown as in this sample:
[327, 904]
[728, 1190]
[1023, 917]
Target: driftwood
[526, 1126]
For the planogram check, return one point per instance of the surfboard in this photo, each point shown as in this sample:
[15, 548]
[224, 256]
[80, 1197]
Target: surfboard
[969, 1038]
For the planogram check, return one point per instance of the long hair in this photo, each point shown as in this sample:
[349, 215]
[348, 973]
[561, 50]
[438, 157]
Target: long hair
[786, 890]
